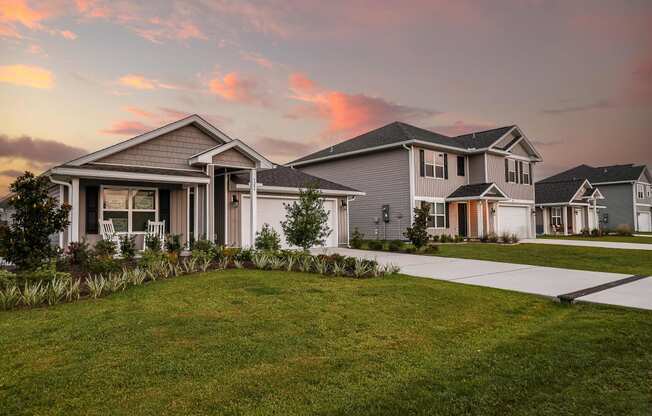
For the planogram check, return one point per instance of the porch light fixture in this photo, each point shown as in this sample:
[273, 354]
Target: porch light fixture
[234, 201]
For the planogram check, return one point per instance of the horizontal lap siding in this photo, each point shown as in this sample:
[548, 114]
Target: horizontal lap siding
[384, 176]
[476, 169]
[619, 204]
[496, 172]
[171, 150]
[432, 187]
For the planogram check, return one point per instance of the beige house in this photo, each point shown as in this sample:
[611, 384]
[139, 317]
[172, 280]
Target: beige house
[201, 182]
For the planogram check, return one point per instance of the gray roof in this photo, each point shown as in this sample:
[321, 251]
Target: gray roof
[138, 169]
[556, 192]
[397, 132]
[614, 173]
[290, 178]
[468, 191]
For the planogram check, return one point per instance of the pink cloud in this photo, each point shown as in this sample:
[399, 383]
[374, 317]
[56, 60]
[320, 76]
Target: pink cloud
[67, 34]
[257, 59]
[347, 113]
[237, 88]
[141, 82]
[126, 128]
[140, 112]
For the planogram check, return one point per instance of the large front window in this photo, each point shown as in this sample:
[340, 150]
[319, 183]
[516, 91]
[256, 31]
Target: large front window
[436, 214]
[512, 170]
[434, 164]
[556, 216]
[129, 208]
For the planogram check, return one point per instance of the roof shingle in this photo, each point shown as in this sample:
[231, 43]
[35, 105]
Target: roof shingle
[614, 173]
[290, 178]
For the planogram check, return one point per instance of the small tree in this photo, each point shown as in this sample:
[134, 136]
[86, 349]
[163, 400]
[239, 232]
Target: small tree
[418, 233]
[26, 241]
[306, 221]
[267, 239]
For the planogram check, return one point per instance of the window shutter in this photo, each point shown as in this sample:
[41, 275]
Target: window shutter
[520, 171]
[164, 208]
[445, 166]
[446, 216]
[422, 162]
[506, 170]
[531, 180]
[92, 203]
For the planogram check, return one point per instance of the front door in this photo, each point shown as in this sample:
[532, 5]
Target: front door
[462, 220]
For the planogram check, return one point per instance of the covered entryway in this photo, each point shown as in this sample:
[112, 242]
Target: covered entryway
[644, 222]
[514, 220]
[270, 210]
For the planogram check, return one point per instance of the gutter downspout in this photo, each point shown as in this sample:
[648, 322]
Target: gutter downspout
[69, 186]
[348, 221]
[411, 170]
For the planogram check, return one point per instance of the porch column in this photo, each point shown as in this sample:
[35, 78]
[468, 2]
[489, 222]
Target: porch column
[486, 211]
[496, 218]
[480, 221]
[565, 219]
[253, 195]
[195, 231]
[61, 203]
[226, 210]
[546, 220]
[210, 204]
[596, 222]
[74, 201]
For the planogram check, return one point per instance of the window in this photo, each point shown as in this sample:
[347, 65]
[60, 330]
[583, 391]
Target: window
[434, 165]
[556, 216]
[526, 172]
[129, 208]
[461, 169]
[511, 170]
[640, 190]
[437, 214]
[649, 191]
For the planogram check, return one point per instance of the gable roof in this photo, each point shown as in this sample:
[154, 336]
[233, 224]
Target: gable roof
[285, 177]
[398, 133]
[207, 155]
[561, 192]
[476, 190]
[212, 131]
[600, 174]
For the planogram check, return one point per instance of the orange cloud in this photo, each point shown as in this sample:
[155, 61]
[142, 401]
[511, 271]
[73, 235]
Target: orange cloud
[141, 82]
[140, 112]
[258, 59]
[126, 128]
[27, 76]
[18, 11]
[68, 34]
[349, 113]
[234, 87]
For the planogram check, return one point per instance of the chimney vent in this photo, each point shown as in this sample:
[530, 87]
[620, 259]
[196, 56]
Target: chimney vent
[331, 149]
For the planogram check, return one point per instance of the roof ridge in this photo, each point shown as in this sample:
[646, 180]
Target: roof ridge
[485, 131]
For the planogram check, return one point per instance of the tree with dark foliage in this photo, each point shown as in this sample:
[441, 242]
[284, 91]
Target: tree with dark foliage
[418, 233]
[36, 215]
[306, 222]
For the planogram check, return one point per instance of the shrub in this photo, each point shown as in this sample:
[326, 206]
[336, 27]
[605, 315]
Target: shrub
[153, 242]
[128, 246]
[105, 249]
[356, 238]
[306, 220]
[260, 260]
[484, 238]
[268, 239]
[585, 232]
[410, 249]
[444, 238]
[231, 252]
[596, 232]
[25, 242]
[96, 285]
[429, 249]
[173, 244]
[56, 291]
[492, 238]
[624, 230]
[395, 245]
[33, 294]
[7, 279]
[375, 244]
[338, 269]
[44, 274]
[206, 246]
[506, 238]
[435, 238]
[514, 239]
[73, 290]
[79, 253]
[391, 269]
[9, 297]
[104, 265]
[203, 258]
[418, 233]
[244, 255]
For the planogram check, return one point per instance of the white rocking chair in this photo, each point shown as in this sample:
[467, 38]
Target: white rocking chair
[155, 228]
[108, 233]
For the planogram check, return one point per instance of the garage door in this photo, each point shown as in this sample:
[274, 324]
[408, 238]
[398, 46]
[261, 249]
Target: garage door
[644, 223]
[271, 211]
[514, 220]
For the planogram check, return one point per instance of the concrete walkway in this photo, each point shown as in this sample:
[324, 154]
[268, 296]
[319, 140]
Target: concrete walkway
[547, 281]
[586, 243]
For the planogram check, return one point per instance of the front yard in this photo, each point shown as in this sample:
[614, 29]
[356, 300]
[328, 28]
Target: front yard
[609, 238]
[263, 342]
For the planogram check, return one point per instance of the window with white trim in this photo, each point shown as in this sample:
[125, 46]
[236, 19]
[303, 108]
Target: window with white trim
[526, 173]
[649, 191]
[556, 216]
[129, 208]
[436, 215]
[640, 191]
[434, 164]
[511, 169]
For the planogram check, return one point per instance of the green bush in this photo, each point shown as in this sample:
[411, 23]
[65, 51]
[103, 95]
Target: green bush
[7, 279]
[203, 245]
[105, 249]
[624, 230]
[44, 274]
[356, 238]
[585, 232]
[306, 220]
[153, 242]
[375, 244]
[267, 239]
[128, 246]
[104, 265]
[492, 238]
[79, 253]
[173, 244]
[395, 245]
[514, 239]
[418, 233]
[596, 232]
[506, 238]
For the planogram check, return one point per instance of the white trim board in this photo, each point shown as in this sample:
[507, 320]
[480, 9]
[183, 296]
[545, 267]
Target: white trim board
[206, 156]
[290, 190]
[129, 176]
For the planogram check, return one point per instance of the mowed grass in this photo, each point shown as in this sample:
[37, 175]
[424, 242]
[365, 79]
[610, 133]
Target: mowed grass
[257, 343]
[570, 257]
[609, 238]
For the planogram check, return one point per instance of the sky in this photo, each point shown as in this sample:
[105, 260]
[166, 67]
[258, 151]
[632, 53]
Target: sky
[291, 77]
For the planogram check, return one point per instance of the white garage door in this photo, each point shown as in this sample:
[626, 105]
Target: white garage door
[644, 223]
[514, 220]
[271, 211]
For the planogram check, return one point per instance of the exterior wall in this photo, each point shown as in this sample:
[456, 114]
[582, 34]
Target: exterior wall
[476, 169]
[520, 150]
[496, 172]
[233, 157]
[235, 216]
[384, 176]
[433, 187]
[619, 205]
[179, 213]
[171, 150]
[342, 223]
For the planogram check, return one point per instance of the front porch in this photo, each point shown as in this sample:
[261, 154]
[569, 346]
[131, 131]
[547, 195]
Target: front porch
[567, 219]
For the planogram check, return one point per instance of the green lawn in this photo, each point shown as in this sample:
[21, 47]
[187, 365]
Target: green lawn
[252, 342]
[610, 238]
[570, 257]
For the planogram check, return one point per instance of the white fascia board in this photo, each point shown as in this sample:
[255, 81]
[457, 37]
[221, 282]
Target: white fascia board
[291, 190]
[193, 119]
[475, 198]
[612, 183]
[206, 156]
[493, 185]
[581, 187]
[130, 176]
[429, 199]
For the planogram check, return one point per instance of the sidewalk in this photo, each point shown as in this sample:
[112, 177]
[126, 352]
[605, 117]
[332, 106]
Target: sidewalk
[584, 243]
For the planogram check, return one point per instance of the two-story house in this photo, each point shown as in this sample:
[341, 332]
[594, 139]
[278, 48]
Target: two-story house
[474, 184]
[626, 193]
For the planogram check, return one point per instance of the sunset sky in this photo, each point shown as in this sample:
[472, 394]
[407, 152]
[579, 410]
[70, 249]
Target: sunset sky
[289, 77]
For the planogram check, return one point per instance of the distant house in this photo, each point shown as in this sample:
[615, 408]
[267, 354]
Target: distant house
[624, 193]
[201, 182]
[473, 185]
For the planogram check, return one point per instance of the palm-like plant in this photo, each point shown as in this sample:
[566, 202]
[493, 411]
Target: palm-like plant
[338, 269]
[9, 297]
[238, 264]
[73, 290]
[96, 285]
[261, 261]
[33, 294]
[360, 268]
[56, 291]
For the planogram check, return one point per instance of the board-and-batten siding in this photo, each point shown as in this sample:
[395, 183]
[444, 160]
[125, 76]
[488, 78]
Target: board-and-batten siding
[385, 178]
[434, 187]
[171, 150]
[496, 172]
[179, 213]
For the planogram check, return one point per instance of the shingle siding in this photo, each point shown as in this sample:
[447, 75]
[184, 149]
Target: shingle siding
[384, 177]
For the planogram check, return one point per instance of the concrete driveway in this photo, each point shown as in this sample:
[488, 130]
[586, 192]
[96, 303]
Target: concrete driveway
[547, 281]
